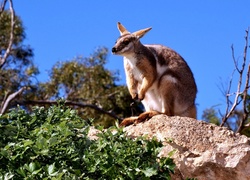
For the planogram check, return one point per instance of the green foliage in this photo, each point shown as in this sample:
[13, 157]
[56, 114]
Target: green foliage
[5, 21]
[115, 155]
[211, 115]
[53, 144]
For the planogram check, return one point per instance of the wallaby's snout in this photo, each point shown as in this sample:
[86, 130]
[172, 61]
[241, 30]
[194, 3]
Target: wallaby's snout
[114, 50]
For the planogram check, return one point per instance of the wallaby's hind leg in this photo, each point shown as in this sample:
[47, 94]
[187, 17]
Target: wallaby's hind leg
[168, 95]
[191, 112]
[137, 119]
[167, 104]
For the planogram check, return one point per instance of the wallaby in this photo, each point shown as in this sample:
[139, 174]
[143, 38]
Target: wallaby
[156, 75]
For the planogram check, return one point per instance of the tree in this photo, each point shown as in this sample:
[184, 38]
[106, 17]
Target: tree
[211, 115]
[16, 59]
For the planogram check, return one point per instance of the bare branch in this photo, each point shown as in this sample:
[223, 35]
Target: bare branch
[4, 99]
[245, 110]
[70, 103]
[245, 92]
[228, 93]
[8, 50]
[2, 7]
[10, 98]
[238, 93]
[235, 62]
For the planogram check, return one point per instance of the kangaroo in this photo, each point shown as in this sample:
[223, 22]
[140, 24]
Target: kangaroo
[157, 76]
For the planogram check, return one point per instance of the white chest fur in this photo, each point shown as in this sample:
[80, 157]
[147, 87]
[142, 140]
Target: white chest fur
[152, 100]
[131, 62]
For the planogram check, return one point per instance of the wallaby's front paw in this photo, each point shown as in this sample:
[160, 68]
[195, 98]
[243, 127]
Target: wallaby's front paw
[134, 96]
[141, 96]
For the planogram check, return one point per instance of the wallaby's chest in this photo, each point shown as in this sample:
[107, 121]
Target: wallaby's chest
[131, 68]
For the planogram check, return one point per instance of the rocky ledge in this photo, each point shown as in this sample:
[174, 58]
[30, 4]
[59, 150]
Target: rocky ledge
[201, 150]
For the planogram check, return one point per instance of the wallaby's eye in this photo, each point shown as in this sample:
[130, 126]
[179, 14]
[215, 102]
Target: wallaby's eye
[126, 42]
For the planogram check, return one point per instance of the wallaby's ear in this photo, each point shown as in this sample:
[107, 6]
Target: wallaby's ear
[139, 34]
[122, 29]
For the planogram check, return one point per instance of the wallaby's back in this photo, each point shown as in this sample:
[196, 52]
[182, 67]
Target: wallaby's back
[175, 66]
[174, 84]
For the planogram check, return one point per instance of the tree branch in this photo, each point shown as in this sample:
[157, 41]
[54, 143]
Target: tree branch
[10, 98]
[70, 103]
[2, 6]
[245, 92]
[235, 62]
[8, 50]
[245, 109]
[238, 93]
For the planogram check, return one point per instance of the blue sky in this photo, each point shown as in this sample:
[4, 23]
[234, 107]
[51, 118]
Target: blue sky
[201, 31]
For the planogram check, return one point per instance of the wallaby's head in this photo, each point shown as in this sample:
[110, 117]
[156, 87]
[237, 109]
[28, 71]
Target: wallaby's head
[127, 42]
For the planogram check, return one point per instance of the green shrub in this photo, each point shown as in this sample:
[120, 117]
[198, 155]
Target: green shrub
[53, 144]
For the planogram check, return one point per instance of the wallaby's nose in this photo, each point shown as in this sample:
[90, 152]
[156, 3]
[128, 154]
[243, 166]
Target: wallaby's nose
[113, 50]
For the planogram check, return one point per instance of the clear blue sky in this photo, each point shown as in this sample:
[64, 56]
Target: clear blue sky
[201, 31]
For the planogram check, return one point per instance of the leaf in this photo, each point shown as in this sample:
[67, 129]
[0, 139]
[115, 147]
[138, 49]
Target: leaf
[53, 141]
[8, 176]
[21, 172]
[44, 152]
[36, 171]
[4, 153]
[41, 143]
[149, 172]
[27, 142]
[171, 153]
[32, 166]
[52, 170]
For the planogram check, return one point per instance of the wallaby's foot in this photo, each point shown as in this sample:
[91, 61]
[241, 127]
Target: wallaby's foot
[141, 96]
[128, 121]
[146, 116]
[141, 118]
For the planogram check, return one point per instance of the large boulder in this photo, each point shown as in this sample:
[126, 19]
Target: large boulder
[201, 150]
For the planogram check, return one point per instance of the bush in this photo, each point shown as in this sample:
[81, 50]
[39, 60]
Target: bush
[53, 144]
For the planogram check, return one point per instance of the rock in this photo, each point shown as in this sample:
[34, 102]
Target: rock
[203, 151]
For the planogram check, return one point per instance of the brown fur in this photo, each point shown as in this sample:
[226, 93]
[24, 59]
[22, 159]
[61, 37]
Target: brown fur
[156, 75]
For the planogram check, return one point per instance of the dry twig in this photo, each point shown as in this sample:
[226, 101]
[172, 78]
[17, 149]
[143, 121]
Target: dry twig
[240, 96]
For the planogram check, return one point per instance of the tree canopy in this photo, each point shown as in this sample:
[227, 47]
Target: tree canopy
[83, 82]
